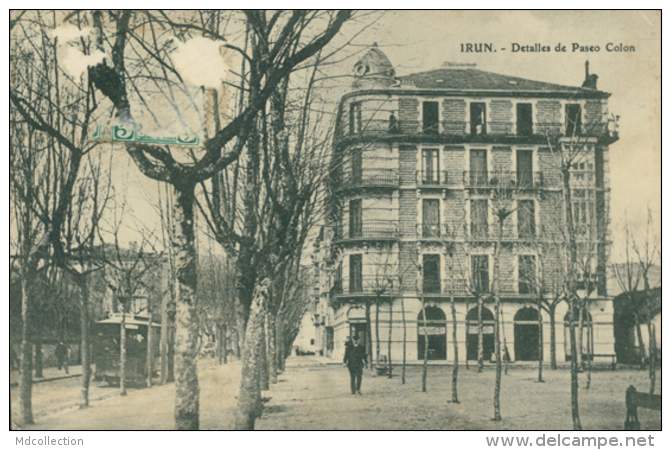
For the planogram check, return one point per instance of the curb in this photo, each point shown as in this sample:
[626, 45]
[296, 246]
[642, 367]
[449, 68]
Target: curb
[44, 380]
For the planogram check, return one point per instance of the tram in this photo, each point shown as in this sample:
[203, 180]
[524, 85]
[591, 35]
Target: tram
[107, 349]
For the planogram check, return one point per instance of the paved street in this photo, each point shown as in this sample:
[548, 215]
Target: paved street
[313, 395]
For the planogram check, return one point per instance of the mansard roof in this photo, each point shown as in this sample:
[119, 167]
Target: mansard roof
[470, 79]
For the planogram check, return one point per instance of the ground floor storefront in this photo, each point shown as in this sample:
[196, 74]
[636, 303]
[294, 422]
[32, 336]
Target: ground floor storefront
[402, 326]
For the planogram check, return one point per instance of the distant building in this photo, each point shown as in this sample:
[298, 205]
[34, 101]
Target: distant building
[417, 161]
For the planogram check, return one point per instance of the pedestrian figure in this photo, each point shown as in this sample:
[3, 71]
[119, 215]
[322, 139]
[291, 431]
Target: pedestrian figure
[62, 356]
[355, 358]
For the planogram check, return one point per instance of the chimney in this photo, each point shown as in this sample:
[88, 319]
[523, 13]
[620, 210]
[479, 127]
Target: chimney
[590, 80]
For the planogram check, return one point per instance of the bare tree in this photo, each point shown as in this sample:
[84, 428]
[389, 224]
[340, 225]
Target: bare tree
[502, 208]
[55, 108]
[280, 41]
[646, 254]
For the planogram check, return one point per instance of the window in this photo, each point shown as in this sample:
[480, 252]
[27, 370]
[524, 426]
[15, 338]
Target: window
[525, 121]
[357, 166]
[478, 118]
[355, 278]
[337, 282]
[355, 118]
[431, 268]
[584, 210]
[525, 168]
[527, 274]
[430, 166]
[526, 219]
[430, 218]
[573, 119]
[480, 268]
[479, 219]
[430, 117]
[478, 165]
[355, 219]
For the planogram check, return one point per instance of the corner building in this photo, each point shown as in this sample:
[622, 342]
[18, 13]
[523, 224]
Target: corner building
[417, 163]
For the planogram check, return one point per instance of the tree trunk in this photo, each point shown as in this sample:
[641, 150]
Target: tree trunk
[481, 332]
[150, 356]
[641, 345]
[369, 339]
[455, 367]
[279, 345]
[224, 343]
[249, 397]
[590, 352]
[241, 325]
[165, 332]
[425, 365]
[499, 366]
[26, 363]
[272, 352]
[575, 411]
[405, 332]
[652, 347]
[122, 353]
[571, 291]
[263, 358]
[506, 355]
[391, 312]
[580, 344]
[466, 337]
[187, 397]
[85, 344]
[38, 356]
[540, 341]
[497, 316]
[553, 339]
[377, 331]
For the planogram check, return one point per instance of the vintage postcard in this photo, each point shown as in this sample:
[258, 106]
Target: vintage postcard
[335, 220]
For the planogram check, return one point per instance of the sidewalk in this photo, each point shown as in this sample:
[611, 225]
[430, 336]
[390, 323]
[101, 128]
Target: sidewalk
[50, 374]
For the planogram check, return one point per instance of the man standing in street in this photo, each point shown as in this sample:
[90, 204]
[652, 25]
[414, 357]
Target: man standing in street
[355, 358]
[62, 356]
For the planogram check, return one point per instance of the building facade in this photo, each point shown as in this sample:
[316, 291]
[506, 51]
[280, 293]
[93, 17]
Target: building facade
[420, 163]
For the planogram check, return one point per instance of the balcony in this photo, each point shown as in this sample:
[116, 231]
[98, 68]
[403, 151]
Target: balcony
[439, 231]
[373, 230]
[505, 180]
[463, 131]
[370, 178]
[429, 179]
[486, 233]
[378, 285]
[460, 287]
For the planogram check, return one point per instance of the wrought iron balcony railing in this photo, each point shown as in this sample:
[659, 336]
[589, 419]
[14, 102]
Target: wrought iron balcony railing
[382, 126]
[442, 231]
[370, 178]
[384, 285]
[374, 229]
[484, 232]
[381, 284]
[460, 287]
[503, 179]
